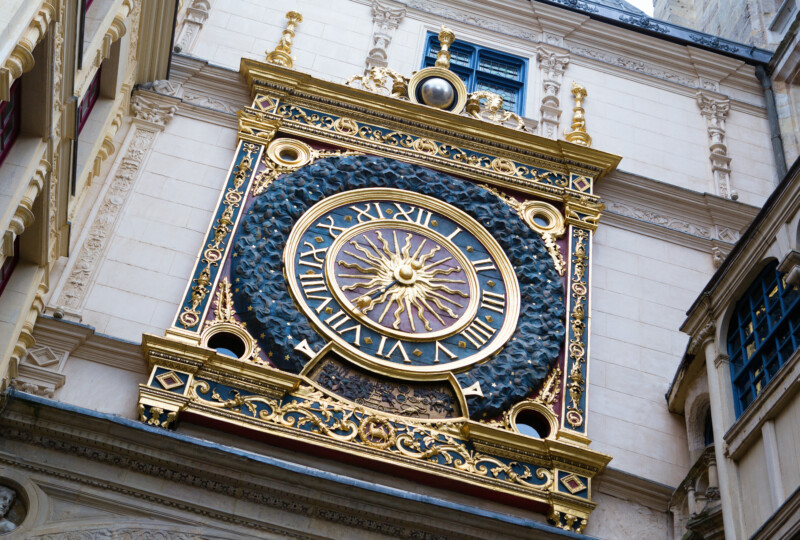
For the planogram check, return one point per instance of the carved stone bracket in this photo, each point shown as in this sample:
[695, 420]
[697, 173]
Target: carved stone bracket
[23, 216]
[386, 17]
[715, 110]
[552, 64]
[21, 59]
[190, 27]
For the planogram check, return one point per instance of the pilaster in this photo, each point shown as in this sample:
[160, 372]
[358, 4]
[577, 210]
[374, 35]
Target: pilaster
[190, 27]
[386, 17]
[715, 110]
[552, 64]
[721, 398]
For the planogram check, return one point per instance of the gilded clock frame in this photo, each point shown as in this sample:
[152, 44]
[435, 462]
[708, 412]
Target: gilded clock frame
[302, 108]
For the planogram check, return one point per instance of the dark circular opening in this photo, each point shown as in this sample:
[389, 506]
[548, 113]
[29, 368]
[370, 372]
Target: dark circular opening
[533, 423]
[288, 154]
[227, 344]
[541, 220]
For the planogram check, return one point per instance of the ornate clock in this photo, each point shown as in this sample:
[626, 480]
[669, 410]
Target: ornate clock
[403, 282]
[402, 272]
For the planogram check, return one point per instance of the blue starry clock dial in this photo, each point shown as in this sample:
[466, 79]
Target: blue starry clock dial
[401, 281]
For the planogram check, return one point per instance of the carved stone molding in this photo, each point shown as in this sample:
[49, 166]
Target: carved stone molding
[152, 112]
[150, 116]
[715, 110]
[210, 479]
[496, 25]
[552, 64]
[21, 59]
[634, 65]
[659, 218]
[39, 372]
[702, 337]
[189, 28]
[386, 16]
[23, 216]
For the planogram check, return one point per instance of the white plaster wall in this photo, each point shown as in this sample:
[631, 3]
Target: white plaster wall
[753, 474]
[331, 42]
[787, 430]
[753, 173]
[142, 278]
[641, 287]
[616, 518]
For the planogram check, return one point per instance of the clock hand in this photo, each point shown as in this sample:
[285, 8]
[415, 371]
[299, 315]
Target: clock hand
[364, 300]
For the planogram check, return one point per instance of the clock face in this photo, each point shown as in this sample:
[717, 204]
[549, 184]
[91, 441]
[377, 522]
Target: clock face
[402, 281]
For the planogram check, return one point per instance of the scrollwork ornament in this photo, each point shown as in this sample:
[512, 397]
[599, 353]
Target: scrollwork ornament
[311, 411]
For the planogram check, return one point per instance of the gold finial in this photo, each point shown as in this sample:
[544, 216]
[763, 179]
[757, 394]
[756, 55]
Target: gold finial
[578, 134]
[282, 53]
[446, 38]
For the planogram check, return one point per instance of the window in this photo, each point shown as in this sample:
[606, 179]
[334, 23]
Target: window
[88, 101]
[484, 69]
[9, 120]
[764, 332]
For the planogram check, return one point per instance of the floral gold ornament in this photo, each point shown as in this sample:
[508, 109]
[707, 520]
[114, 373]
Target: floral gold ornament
[282, 55]
[578, 135]
[286, 155]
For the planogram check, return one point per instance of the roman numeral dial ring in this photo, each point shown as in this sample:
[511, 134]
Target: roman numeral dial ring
[402, 283]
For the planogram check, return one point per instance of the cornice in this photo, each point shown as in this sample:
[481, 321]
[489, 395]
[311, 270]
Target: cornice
[83, 342]
[682, 216]
[675, 66]
[271, 79]
[634, 488]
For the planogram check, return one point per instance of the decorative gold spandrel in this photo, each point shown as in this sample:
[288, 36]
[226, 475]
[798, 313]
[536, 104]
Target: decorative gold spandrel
[282, 53]
[554, 228]
[578, 135]
[285, 155]
[446, 38]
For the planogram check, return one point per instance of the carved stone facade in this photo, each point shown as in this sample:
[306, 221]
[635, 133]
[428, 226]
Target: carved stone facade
[149, 118]
[193, 19]
[552, 64]
[386, 16]
[715, 110]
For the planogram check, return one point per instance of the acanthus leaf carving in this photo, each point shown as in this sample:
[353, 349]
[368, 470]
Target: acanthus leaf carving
[386, 17]
[151, 111]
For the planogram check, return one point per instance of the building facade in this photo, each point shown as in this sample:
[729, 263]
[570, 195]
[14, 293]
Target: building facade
[364, 269]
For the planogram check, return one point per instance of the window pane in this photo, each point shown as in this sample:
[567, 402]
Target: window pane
[500, 68]
[509, 96]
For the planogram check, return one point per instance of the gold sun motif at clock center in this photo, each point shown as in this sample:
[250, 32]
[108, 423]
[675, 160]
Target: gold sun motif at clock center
[403, 279]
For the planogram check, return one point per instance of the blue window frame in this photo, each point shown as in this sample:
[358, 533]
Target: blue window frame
[763, 334]
[484, 69]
